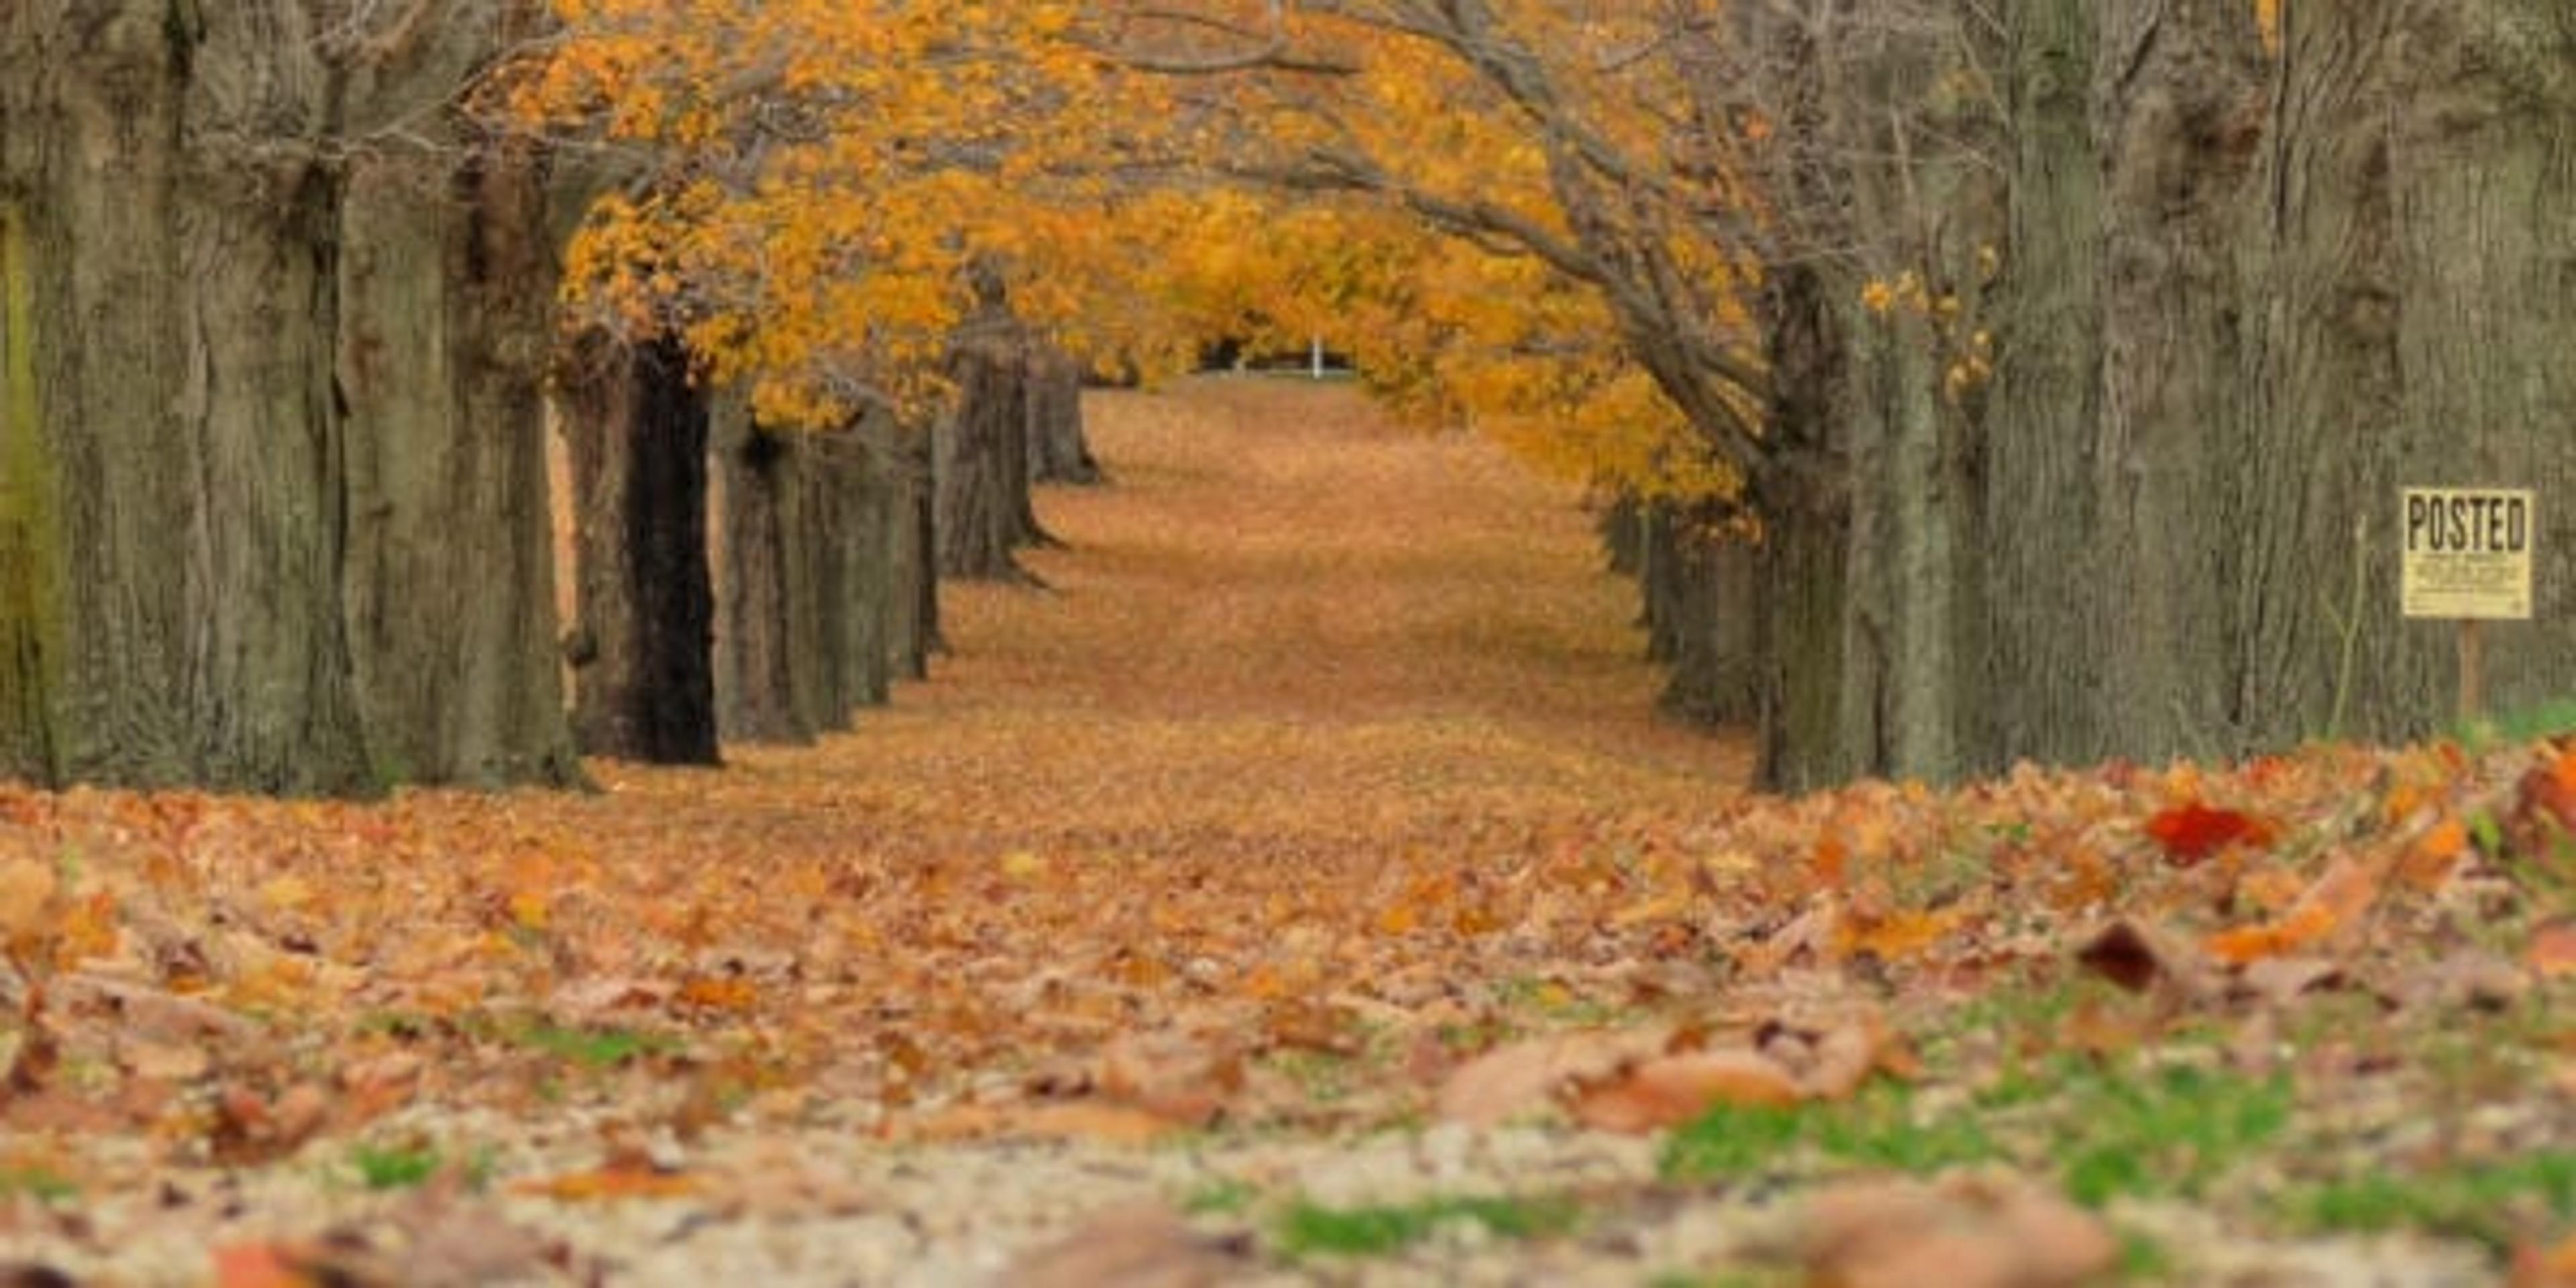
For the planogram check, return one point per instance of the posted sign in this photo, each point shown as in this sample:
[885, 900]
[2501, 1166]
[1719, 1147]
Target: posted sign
[2468, 553]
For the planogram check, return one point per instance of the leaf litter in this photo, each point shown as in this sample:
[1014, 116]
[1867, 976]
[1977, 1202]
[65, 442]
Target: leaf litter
[1317, 801]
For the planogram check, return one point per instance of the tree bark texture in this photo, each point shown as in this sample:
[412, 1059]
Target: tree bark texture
[2240, 297]
[813, 579]
[446, 277]
[189, 522]
[1869, 589]
[642, 645]
[985, 514]
[1058, 450]
[765, 683]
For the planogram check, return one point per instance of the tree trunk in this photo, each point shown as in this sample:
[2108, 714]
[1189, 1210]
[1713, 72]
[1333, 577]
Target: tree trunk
[912, 546]
[1058, 450]
[765, 673]
[239, 547]
[1870, 592]
[1700, 609]
[2175, 109]
[446, 280]
[178, 528]
[984, 511]
[642, 646]
[2039, 505]
[2482, 183]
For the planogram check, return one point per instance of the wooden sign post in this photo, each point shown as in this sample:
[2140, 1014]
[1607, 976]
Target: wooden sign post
[2467, 558]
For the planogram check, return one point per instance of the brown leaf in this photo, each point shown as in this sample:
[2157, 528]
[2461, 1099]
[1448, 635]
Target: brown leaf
[2280, 981]
[1674, 1089]
[2130, 955]
[1963, 1233]
[1847, 1054]
[27, 890]
[1145, 1247]
[2553, 950]
[1522, 1076]
[615, 1180]
[454, 1242]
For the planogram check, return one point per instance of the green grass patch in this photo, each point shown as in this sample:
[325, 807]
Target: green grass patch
[394, 1167]
[2546, 719]
[1311, 1229]
[40, 1183]
[408, 1165]
[1225, 1197]
[2492, 1202]
[1878, 1132]
[2172, 1130]
[593, 1049]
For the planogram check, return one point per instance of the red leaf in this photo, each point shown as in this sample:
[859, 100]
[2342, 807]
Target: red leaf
[2190, 833]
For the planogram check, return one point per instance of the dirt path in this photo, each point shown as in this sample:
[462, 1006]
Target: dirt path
[1286, 617]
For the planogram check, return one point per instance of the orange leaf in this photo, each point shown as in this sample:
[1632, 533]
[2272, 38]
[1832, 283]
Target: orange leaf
[2193, 832]
[2553, 949]
[1670, 1091]
[709, 993]
[613, 1182]
[1893, 937]
[2430, 859]
[262, 1265]
[2337, 899]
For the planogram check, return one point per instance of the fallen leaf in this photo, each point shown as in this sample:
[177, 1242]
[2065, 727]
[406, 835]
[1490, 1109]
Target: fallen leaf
[2280, 981]
[615, 1181]
[1146, 1247]
[2335, 902]
[1674, 1089]
[2131, 956]
[2535, 1266]
[1961, 1233]
[2192, 832]
[2553, 949]
[1523, 1076]
[27, 890]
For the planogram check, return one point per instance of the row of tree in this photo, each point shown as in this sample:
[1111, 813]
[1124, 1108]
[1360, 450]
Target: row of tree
[2061, 361]
[278, 334]
[1974, 380]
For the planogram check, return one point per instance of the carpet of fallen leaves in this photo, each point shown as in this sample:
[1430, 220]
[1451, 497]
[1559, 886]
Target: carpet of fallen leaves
[1318, 791]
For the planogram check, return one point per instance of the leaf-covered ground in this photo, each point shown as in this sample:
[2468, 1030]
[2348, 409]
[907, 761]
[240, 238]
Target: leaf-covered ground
[1305, 867]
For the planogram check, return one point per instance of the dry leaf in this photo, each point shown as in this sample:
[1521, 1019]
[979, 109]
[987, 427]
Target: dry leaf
[1962, 1233]
[2553, 950]
[2130, 955]
[614, 1181]
[1671, 1090]
[27, 889]
[1523, 1076]
[1137, 1248]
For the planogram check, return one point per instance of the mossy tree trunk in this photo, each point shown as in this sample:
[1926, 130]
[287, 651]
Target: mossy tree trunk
[206, 481]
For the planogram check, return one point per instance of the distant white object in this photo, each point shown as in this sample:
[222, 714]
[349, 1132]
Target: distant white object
[1318, 367]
